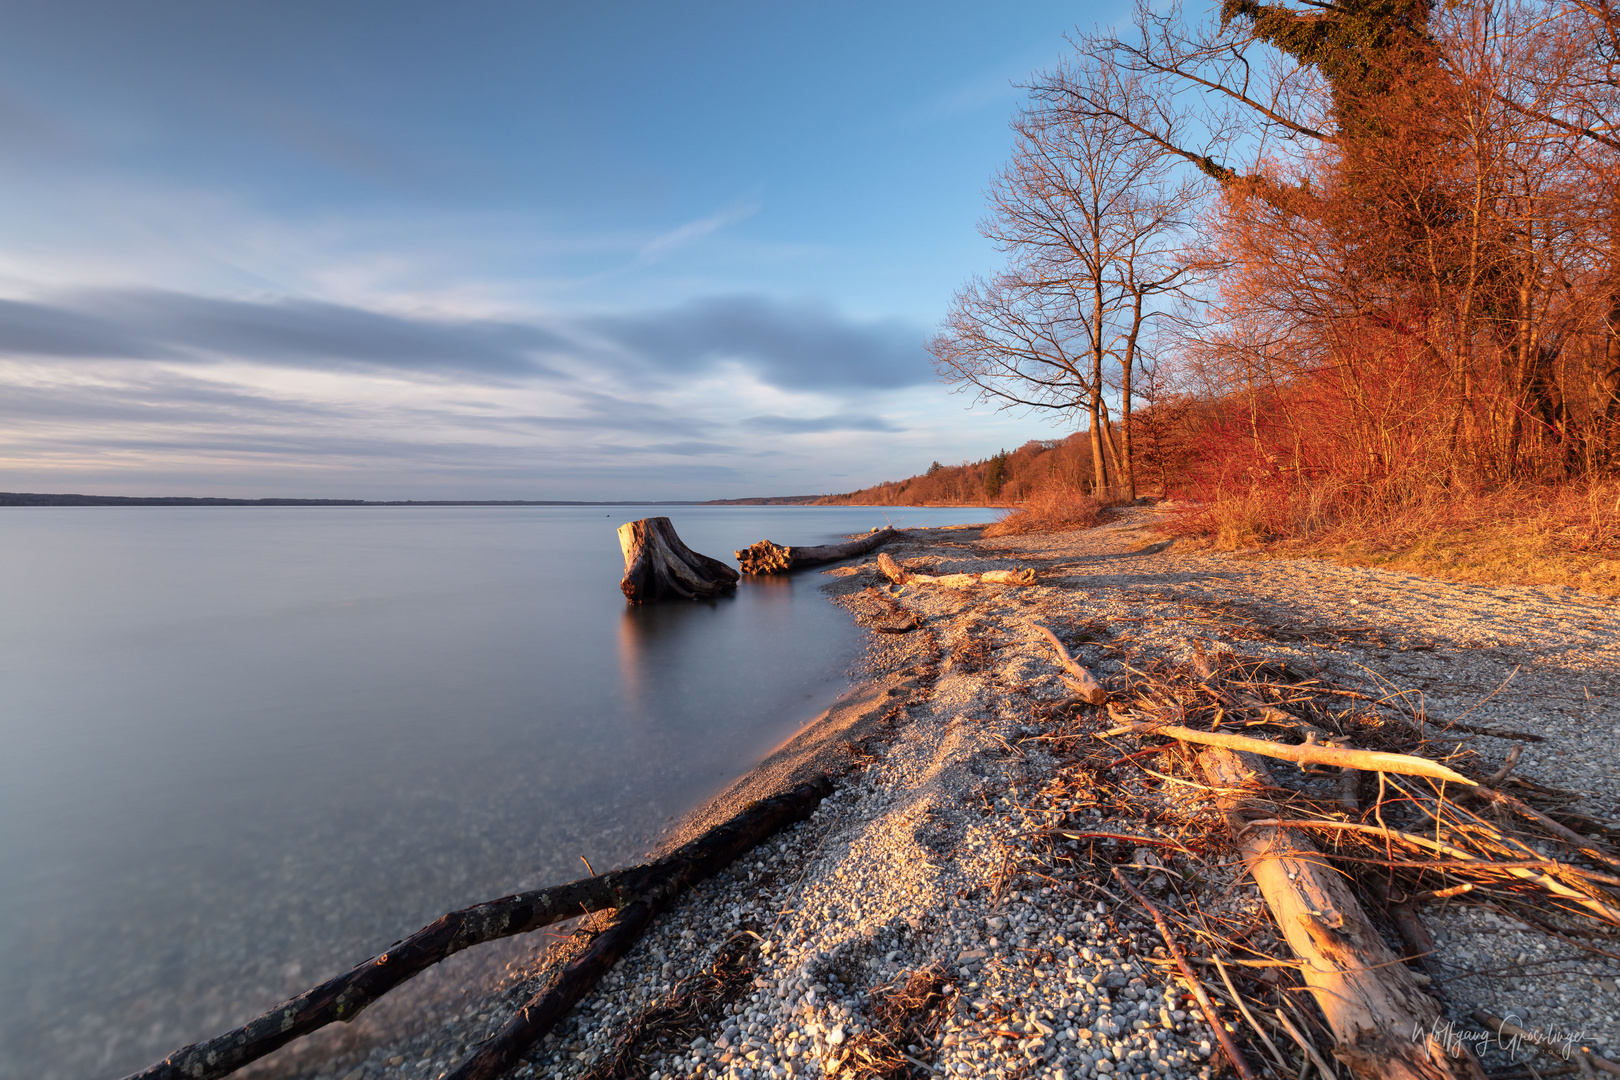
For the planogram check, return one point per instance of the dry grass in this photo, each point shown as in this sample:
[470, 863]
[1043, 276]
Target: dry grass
[1566, 536]
[1053, 509]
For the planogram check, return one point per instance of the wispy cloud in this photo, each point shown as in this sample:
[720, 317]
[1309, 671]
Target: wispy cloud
[796, 346]
[183, 327]
[105, 389]
[665, 243]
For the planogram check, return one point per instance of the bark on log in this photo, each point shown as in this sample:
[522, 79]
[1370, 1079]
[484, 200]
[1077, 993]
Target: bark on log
[894, 573]
[658, 565]
[1385, 1025]
[766, 557]
[342, 998]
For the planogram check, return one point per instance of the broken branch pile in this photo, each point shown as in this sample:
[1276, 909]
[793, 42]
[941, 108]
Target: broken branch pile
[1376, 820]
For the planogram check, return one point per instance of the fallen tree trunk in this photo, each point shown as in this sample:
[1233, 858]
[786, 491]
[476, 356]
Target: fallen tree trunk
[766, 557]
[658, 565]
[1385, 1025]
[342, 998]
[894, 573]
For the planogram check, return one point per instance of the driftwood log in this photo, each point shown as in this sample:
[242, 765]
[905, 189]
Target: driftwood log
[657, 565]
[766, 557]
[893, 571]
[630, 890]
[1386, 1026]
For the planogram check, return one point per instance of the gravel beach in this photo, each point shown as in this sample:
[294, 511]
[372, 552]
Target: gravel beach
[934, 917]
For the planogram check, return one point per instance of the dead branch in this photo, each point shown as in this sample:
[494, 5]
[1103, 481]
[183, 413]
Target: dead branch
[1081, 681]
[573, 982]
[342, 998]
[894, 573]
[1518, 870]
[1228, 1047]
[766, 557]
[1304, 753]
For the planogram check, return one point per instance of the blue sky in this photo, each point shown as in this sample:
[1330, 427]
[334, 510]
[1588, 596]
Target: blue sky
[495, 250]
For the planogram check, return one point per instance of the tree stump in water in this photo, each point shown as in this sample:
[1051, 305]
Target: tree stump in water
[768, 558]
[657, 565]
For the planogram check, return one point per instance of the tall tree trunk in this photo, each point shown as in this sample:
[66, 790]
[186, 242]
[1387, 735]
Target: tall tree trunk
[1126, 368]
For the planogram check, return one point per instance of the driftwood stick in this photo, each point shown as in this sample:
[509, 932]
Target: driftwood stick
[1228, 1047]
[573, 982]
[658, 565]
[1079, 679]
[1304, 753]
[1305, 1046]
[1585, 846]
[1556, 1047]
[342, 998]
[1383, 1022]
[893, 571]
[1507, 766]
[1237, 999]
[543, 1010]
[768, 558]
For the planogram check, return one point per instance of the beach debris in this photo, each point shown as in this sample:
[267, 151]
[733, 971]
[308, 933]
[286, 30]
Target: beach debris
[1429, 830]
[767, 557]
[635, 893]
[657, 565]
[895, 573]
[1383, 1021]
[1081, 681]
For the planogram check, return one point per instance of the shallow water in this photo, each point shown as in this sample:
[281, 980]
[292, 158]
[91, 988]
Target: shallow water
[245, 748]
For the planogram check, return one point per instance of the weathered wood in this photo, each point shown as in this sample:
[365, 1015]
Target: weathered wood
[1302, 753]
[1386, 1026]
[1343, 757]
[1081, 681]
[343, 997]
[657, 565]
[766, 557]
[576, 978]
[894, 573]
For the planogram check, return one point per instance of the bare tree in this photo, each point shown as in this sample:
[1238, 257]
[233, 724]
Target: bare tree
[1092, 215]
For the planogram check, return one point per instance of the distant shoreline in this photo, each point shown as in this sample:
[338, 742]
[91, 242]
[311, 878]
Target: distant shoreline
[16, 498]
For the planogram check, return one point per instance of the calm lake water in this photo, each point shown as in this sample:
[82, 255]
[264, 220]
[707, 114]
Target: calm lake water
[245, 748]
